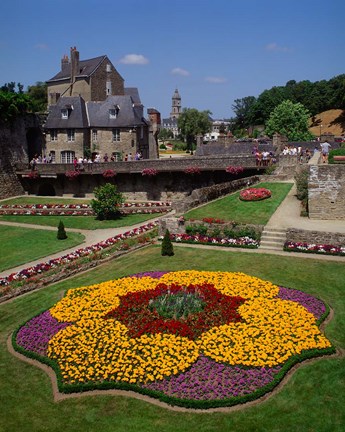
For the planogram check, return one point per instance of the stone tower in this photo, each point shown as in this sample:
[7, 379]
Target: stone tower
[176, 105]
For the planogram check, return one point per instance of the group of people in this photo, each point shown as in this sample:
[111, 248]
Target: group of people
[305, 155]
[264, 158]
[38, 159]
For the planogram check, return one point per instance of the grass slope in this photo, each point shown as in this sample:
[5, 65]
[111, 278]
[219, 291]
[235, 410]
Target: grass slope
[23, 245]
[231, 208]
[312, 400]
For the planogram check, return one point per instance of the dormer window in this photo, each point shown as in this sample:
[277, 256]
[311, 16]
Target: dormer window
[64, 113]
[113, 112]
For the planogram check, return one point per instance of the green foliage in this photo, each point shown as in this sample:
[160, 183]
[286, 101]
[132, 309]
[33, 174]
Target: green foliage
[61, 234]
[193, 122]
[301, 179]
[12, 105]
[179, 145]
[165, 134]
[107, 202]
[242, 109]
[291, 120]
[196, 229]
[38, 96]
[177, 305]
[163, 147]
[167, 246]
[337, 152]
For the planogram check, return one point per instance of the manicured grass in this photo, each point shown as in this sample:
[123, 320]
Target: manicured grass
[44, 200]
[312, 400]
[80, 222]
[231, 208]
[20, 245]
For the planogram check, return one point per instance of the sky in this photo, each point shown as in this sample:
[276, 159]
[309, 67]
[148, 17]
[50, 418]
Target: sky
[212, 51]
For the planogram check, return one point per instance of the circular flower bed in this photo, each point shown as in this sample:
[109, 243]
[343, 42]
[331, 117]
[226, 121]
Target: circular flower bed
[195, 339]
[255, 194]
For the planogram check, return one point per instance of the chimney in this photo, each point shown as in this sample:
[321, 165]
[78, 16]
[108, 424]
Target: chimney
[74, 63]
[64, 63]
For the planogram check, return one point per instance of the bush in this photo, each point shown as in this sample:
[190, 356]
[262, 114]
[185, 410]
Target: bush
[163, 147]
[196, 229]
[61, 234]
[107, 203]
[332, 153]
[167, 247]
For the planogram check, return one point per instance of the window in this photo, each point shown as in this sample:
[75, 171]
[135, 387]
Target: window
[94, 135]
[53, 135]
[108, 67]
[112, 113]
[64, 113]
[108, 87]
[67, 156]
[116, 135]
[70, 135]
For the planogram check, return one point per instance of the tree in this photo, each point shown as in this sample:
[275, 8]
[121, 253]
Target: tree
[167, 247]
[61, 234]
[107, 203]
[11, 88]
[192, 123]
[38, 95]
[165, 134]
[291, 120]
[13, 105]
[242, 109]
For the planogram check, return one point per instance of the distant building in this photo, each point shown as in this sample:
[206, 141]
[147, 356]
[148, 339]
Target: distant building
[91, 112]
[176, 109]
[218, 127]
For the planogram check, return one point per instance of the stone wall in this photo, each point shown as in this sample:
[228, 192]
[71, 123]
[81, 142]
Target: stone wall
[203, 195]
[315, 237]
[326, 192]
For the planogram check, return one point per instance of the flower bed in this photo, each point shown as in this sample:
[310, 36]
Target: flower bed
[255, 194]
[29, 272]
[242, 242]
[234, 342]
[149, 172]
[235, 170]
[290, 246]
[80, 209]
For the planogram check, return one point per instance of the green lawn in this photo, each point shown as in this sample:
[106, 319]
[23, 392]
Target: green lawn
[312, 400]
[21, 245]
[80, 222]
[231, 208]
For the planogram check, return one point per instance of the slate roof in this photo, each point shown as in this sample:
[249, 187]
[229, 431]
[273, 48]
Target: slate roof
[128, 114]
[134, 94]
[77, 117]
[86, 68]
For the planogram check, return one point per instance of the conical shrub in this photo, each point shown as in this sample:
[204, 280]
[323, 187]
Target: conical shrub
[61, 234]
[167, 246]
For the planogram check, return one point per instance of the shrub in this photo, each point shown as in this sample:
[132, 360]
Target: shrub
[61, 234]
[337, 152]
[167, 247]
[301, 179]
[196, 229]
[107, 203]
[163, 147]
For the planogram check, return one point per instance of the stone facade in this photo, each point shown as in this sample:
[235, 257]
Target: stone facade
[326, 192]
[315, 237]
[63, 149]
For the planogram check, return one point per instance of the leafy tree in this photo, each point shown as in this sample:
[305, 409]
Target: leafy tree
[38, 96]
[11, 88]
[107, 203]
[192, 123]
[61, 234]
[291, 120]
[167, 247]
[13, 105]
[242, 109]
[165, 134]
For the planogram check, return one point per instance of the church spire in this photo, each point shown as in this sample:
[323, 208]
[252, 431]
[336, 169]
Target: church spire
[175, 105]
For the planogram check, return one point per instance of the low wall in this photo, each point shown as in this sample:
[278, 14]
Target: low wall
[315, 237]
[203, 195]
[326, 192]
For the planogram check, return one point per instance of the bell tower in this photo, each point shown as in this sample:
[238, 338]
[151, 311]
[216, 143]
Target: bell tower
[175, 105]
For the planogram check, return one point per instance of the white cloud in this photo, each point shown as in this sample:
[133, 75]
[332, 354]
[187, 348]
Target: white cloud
[273, 46]
[215, 80]
[42, 46]
[180, 71]
[136, 59]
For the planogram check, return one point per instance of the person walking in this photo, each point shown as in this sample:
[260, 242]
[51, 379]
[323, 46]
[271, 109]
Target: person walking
[325, 146]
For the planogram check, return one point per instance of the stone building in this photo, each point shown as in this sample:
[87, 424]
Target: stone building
[91, 112]
[170, 123]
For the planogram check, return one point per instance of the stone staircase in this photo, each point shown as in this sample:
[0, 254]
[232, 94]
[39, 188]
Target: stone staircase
[272, 239]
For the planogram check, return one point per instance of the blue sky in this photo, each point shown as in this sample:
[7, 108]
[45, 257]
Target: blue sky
[213, 51]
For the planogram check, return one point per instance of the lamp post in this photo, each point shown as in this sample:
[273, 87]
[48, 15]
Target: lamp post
[320, 131]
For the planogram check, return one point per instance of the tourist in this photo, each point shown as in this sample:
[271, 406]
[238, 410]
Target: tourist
[105, 157]
[129, 157]
[75, 164]
[89, 164]
[325, 146]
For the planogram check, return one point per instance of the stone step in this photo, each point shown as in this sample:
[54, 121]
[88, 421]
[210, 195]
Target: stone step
[272, 239]
[276, 248]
